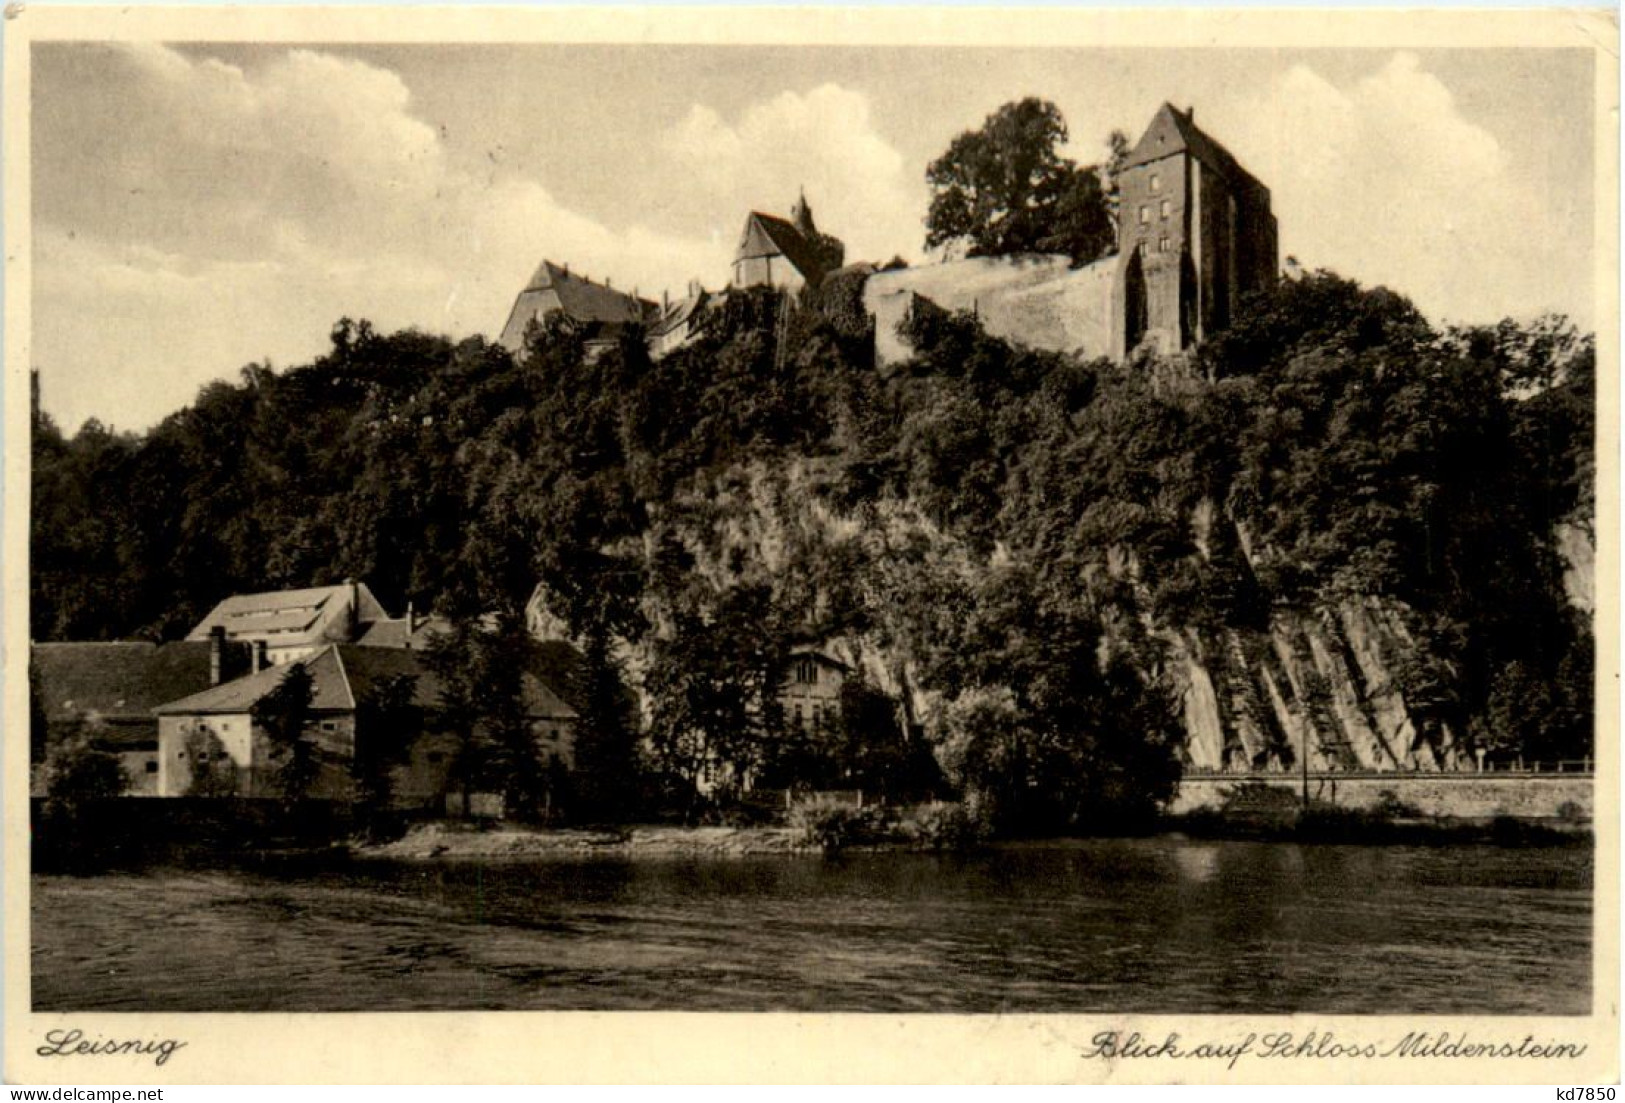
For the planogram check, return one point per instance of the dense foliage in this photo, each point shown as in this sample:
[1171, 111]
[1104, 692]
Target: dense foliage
[1009, 527]
[1005, 188]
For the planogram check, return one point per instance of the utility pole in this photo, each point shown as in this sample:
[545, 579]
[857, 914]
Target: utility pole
[1305, 756]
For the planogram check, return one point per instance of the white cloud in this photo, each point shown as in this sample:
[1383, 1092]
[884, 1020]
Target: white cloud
[824, 141]
[236, 214]
[1388, 182]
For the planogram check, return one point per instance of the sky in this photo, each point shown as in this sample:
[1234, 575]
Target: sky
[200, 207]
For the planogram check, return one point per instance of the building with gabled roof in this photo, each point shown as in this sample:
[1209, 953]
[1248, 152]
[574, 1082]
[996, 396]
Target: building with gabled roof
[111, 689]
[219, 721]
[293, 624]
[775, 252]
[598, 309]
[1195, 234]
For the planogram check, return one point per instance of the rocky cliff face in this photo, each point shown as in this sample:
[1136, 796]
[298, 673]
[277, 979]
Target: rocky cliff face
[1327, 684]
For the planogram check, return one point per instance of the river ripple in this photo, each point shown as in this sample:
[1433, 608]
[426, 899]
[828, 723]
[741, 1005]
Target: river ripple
[1146, 925]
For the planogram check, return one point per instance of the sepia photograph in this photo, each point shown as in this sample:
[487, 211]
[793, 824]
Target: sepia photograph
[912, 528]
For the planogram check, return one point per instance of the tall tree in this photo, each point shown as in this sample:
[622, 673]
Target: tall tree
[1006, 189]
[284, 714]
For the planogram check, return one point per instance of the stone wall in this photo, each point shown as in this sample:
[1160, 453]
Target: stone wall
[1465, 795]
[1040, 301]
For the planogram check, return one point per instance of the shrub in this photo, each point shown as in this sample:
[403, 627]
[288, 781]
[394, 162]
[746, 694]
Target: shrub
[951, 828]
[834, 828]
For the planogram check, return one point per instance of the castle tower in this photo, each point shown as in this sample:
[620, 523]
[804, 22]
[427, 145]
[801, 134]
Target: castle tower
[1195, 233]
[801, 216]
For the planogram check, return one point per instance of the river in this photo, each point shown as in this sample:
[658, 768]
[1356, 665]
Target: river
[1144, 925]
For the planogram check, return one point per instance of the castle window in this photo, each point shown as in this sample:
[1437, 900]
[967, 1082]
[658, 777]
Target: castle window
[1166, 207]
[1145, 214]
[1156, 183]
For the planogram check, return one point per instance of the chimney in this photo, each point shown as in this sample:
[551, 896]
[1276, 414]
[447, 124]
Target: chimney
[411, 620]
[261, 661]
[665, 301]
[355, 609]
[217, 650]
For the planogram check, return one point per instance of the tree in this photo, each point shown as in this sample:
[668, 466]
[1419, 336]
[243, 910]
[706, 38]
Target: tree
[77, 770]
[713, 683]
[283, 714]
[386, 723]
[1006, 189]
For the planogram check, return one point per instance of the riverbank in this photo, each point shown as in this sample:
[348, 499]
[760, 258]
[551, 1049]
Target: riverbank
[454, 841]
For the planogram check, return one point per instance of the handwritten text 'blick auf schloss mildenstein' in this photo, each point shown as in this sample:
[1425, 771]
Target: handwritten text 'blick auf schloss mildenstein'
[1111, 1045]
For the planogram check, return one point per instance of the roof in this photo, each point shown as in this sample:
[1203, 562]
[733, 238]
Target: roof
[291, 618]
[330, 692]
[115, 681]
[554, 288]
[810, 652]
[1172, 131]
[768, 235]
[395, 633]
[344, 674]
[680, 312]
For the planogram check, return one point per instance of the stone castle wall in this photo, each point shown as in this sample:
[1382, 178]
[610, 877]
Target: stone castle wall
[1038, 300]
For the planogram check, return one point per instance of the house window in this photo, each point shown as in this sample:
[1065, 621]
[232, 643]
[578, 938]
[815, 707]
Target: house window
[435, 758]
[1156, 183]
[1145, 214]
[1144, 248]
[1165, 208]
[801, 718]
[152, 767]
[329, 726]
[806, 672]
[1162, 245]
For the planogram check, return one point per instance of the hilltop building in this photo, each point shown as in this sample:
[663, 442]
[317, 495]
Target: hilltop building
[601, 311]
[1195, 233]
[788, 253]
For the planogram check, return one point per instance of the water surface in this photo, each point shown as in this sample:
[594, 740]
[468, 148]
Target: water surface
[1145, 925]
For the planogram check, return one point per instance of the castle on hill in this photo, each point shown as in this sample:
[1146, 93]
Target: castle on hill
[1195, 233]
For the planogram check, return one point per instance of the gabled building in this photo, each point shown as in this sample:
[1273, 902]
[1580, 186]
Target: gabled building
[784, 253]
[219, 721]
[1195, 233]
[111, 689]
[285, 625]
[812, 688]
[410, 633]
[601, 312]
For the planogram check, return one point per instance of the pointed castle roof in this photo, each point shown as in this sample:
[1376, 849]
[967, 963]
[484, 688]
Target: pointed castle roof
[1175, 131]
[767, 235]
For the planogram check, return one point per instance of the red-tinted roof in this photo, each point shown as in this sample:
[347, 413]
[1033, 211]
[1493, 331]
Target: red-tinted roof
[344, 674]
[768, 235]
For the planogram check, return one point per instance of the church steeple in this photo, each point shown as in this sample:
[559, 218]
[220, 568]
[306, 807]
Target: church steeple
[801, 216]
